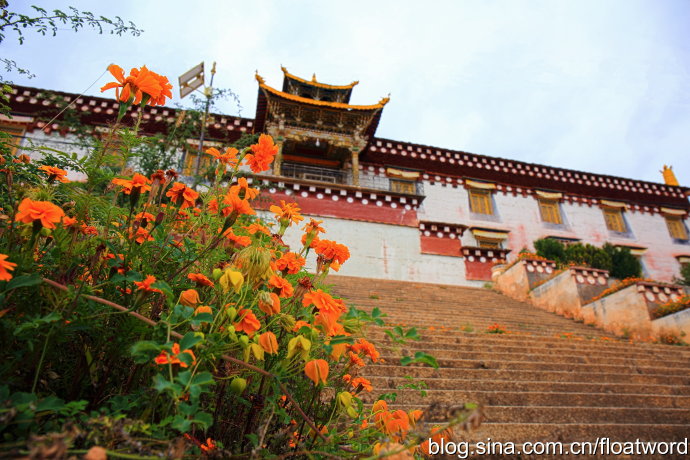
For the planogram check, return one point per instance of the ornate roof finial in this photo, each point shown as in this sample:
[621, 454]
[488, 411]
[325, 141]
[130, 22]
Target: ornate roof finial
[669, 175]
[259, 78]
[313, 78]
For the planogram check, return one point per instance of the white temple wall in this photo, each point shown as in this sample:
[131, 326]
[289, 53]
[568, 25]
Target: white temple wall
[382, 251]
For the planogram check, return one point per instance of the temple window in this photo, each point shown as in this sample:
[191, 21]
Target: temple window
[614, 220]
[549, 207]
[675, 223]
[676, 228]
[403, 186]
[489, 238]
[481, 197]
[550, 212]
[480, 202]
[402, 180]
[613, 216]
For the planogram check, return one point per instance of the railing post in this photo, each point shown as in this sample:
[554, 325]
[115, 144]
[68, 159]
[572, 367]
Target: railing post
[278, 160]
[355, 166]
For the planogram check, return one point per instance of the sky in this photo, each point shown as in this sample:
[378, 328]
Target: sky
[594, 85]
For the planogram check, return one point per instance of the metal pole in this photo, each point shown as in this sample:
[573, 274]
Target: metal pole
[209, 96]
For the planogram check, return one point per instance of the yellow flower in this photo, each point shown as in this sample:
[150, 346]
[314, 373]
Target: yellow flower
[231, 279]
[299, 344]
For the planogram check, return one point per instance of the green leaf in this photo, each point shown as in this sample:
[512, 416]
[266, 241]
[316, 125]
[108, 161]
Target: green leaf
[203, 378]
[190, 339]
[202, 318]
[204, 419]
[50, 403]
[184, 377]
[24, 281]
[145, 350]
[161, 384]
[181, 313]
[339, 339]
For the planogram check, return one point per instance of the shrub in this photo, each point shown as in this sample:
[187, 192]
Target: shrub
[623, 263]
[551, 249]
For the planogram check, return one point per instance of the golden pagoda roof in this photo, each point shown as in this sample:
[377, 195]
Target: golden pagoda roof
[313, 81]
[308, 101]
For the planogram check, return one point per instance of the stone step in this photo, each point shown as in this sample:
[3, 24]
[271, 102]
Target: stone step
[528, 364]
[551, 358]
[566, 347]
[561, 375]
[461, 338]
[536, 398]
[388, 383]
[569, 414]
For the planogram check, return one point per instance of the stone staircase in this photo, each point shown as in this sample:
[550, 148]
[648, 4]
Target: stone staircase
[548, 379]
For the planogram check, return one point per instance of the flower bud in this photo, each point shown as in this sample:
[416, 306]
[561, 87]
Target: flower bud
[238, 385]
[217, 273]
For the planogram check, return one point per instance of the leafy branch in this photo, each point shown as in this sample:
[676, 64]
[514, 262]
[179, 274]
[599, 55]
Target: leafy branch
[46, 22]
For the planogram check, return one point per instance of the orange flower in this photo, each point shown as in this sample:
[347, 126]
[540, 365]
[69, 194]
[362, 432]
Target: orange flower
[286, 213]
[268, 342]
[167, 358]
[255, 228]
[54, 173]
[141, 235]
[189, 298]
[364, 383]
[290, 262]
[180, 191]
[332, 251]
[397, 423]
[242, 189]
[68, 221]
[235, 204]
[44, 212]
[138, 183]
[239, 240]
[308, 240]
[208, 446]
[367, 348]
[414, 416]
[5, 268]
[355, 360]
[438, 434]
[313, 226]
[324, 302]
[146, 284]
[140, 83]
[247, 323]
[89, 230]
[300, 324]
[262, 154]
[144, 218]
[281, 285]
[329, 322]
[203, 309]
[317, 370]
[272, 307]
[200, 279]
[227, 158]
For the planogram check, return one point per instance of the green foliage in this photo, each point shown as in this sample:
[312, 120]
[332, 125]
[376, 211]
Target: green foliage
[617, 260]
[551, 249]
[623, 263]
[685, 274]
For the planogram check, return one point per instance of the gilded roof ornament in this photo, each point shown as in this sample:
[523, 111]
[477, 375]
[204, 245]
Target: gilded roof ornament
[259, 78]
[669, 175]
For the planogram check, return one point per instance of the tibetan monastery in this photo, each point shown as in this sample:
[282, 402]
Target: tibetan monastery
[407, 211]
